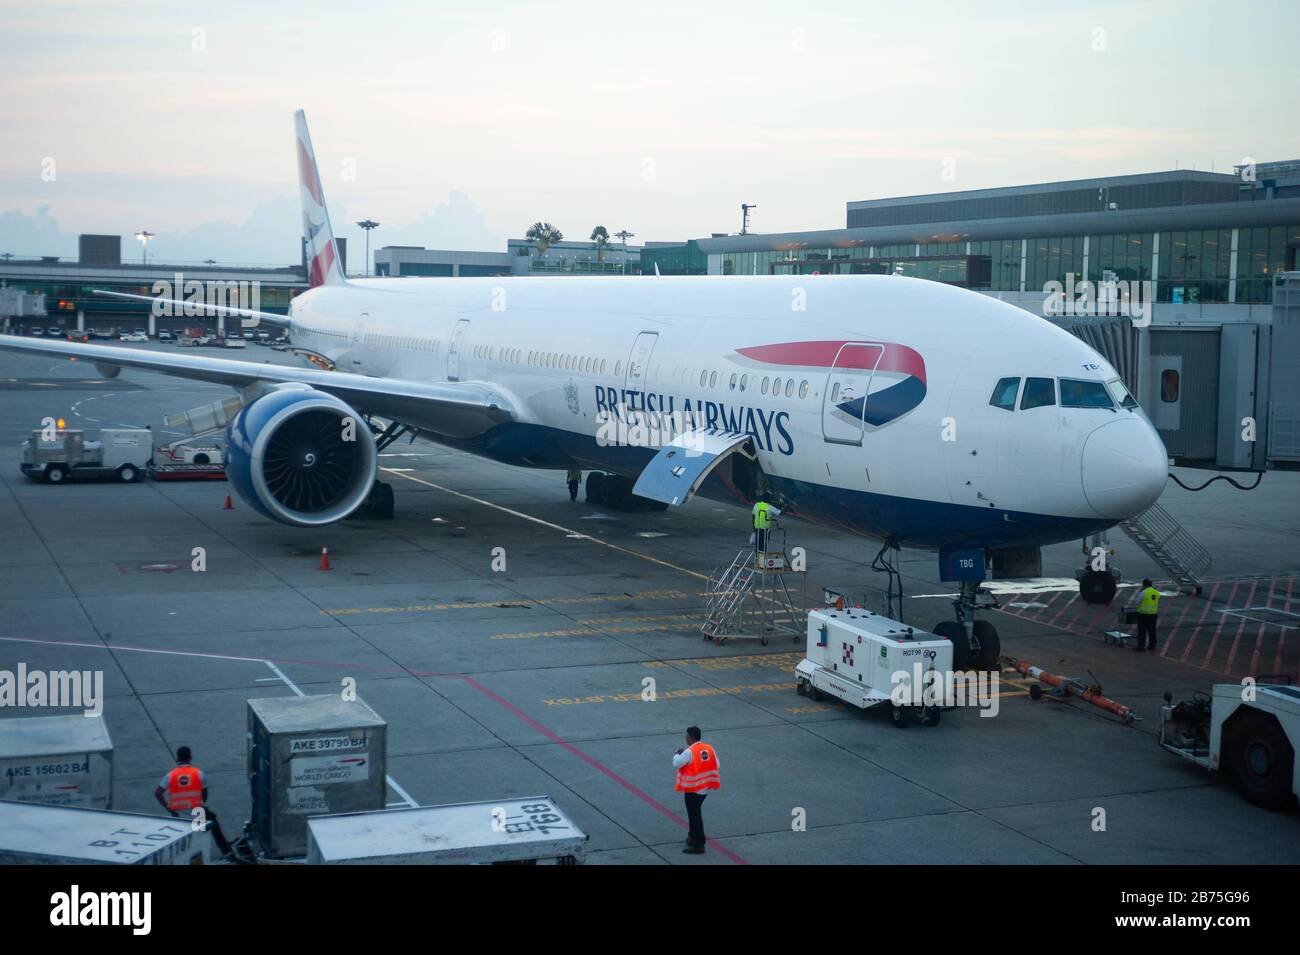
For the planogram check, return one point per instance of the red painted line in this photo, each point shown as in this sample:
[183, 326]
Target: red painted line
[1250, 598]
[554, 738]
[1281, 639]
[1187, 650]
[1085, 610]
[1069, 599]
[1169, 633]
[1254, 657]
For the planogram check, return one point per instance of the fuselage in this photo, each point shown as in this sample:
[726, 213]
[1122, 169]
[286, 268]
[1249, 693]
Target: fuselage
[876, 404]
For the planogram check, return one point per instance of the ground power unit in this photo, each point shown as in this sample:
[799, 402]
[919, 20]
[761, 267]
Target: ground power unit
[866, 660]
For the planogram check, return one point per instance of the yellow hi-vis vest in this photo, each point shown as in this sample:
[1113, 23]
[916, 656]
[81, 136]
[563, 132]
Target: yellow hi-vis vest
[762, 519]
[1149, 602]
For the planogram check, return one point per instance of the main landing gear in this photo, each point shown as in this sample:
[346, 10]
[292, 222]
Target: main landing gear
[615, 490]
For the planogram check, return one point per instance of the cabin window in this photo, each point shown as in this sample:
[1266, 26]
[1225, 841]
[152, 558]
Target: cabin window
[1169, 386]
[1084, 394]
[789, 387]
[1039, 392]
[776, 388]
[803, 388]
[713, 379]
[704, 378]
[765, 382]
[744, 381]
[835, 392]
[1004, 394]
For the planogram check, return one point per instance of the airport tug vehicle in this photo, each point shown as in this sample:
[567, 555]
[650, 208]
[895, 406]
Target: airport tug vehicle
[866, 660]
[1250, 734]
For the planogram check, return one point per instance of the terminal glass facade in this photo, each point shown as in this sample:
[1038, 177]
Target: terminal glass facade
[1188, 266]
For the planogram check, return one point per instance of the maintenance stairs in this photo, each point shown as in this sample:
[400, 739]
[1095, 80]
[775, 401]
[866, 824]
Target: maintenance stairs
[751, 600]
[1166, 542]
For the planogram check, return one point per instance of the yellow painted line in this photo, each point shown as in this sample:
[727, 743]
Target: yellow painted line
[537, 520]
[691, 692]
[525, 601]
[652, 623]
[749, 661]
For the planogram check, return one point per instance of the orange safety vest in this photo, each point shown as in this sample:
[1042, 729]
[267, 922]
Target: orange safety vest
[184, 788]
[701, 772]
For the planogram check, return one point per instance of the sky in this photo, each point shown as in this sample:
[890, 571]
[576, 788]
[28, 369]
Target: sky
[457, 125]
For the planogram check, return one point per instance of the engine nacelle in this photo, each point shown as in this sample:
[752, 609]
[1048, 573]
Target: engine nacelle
[300, 456]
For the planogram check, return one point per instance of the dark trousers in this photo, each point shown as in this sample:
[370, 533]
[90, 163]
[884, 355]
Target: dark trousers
[573, 490]
[695, 838]
[214, 827]
[1146, 628]
[760, 539]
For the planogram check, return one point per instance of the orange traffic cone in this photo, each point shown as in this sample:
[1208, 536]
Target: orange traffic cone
[325, 559]
[839, 603]
[229, 505]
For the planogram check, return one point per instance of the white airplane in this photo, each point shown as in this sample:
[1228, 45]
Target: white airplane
[900, 409]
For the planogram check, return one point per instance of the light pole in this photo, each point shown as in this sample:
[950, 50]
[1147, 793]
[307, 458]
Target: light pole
[624, 235]
[368, 225]
[144, 235]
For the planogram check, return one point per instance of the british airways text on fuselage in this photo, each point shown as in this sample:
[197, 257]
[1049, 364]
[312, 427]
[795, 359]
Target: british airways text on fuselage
[769, 429]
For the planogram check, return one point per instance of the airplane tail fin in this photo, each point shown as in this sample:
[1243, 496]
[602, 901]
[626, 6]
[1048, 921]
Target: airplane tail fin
[323, 264]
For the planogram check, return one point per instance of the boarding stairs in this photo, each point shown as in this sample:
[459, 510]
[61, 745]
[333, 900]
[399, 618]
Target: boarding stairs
[751, 599]
[1168, 543]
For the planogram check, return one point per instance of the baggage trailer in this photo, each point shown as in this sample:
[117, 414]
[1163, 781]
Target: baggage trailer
[1252, 742]
[519, 831]
[57, 760]
[860, 657]
[123, 453]
[61, 835]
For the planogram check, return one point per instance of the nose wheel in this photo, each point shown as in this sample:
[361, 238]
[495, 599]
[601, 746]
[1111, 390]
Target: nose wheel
[975, 643]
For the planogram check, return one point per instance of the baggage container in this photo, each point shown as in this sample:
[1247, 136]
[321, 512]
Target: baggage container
[57, 760]
[515, 830]
[61, 835]
[310, 756]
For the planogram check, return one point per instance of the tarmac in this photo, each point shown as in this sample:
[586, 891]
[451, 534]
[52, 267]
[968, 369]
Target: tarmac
[532, 679]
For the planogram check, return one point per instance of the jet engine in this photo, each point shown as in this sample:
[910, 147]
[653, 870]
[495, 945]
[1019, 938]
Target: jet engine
[301, 457]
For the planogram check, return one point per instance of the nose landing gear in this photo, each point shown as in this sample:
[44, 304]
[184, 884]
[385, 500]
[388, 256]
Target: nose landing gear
[975, 643]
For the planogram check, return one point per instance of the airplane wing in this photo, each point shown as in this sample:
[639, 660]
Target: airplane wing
[452, 409]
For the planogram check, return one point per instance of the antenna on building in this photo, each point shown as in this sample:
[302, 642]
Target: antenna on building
[744, 216]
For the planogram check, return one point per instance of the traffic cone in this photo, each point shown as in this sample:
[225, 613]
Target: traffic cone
[229, 505]
[839, 603]
[325, 559]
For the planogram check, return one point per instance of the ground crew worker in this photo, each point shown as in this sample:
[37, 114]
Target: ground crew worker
[765, 515]
[697, 773]
[1147, 609]
[185, 789]
[574, 478]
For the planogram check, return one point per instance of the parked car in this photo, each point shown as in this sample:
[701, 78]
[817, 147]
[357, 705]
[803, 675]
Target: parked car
[37, 332]
[54, 331]
[76, 336]
[134, 337]
[165, 336]
[140, 331]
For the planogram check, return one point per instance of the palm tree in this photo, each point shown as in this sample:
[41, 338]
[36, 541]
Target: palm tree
[600, 236]
[544, 234]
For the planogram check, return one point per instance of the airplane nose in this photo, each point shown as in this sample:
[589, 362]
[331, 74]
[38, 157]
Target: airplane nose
[1125, 467]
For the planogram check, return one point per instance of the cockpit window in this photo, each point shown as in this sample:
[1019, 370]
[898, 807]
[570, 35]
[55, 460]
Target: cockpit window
[1004, 394]
[1038, 392]
[1120, 394]
[1084, 394]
